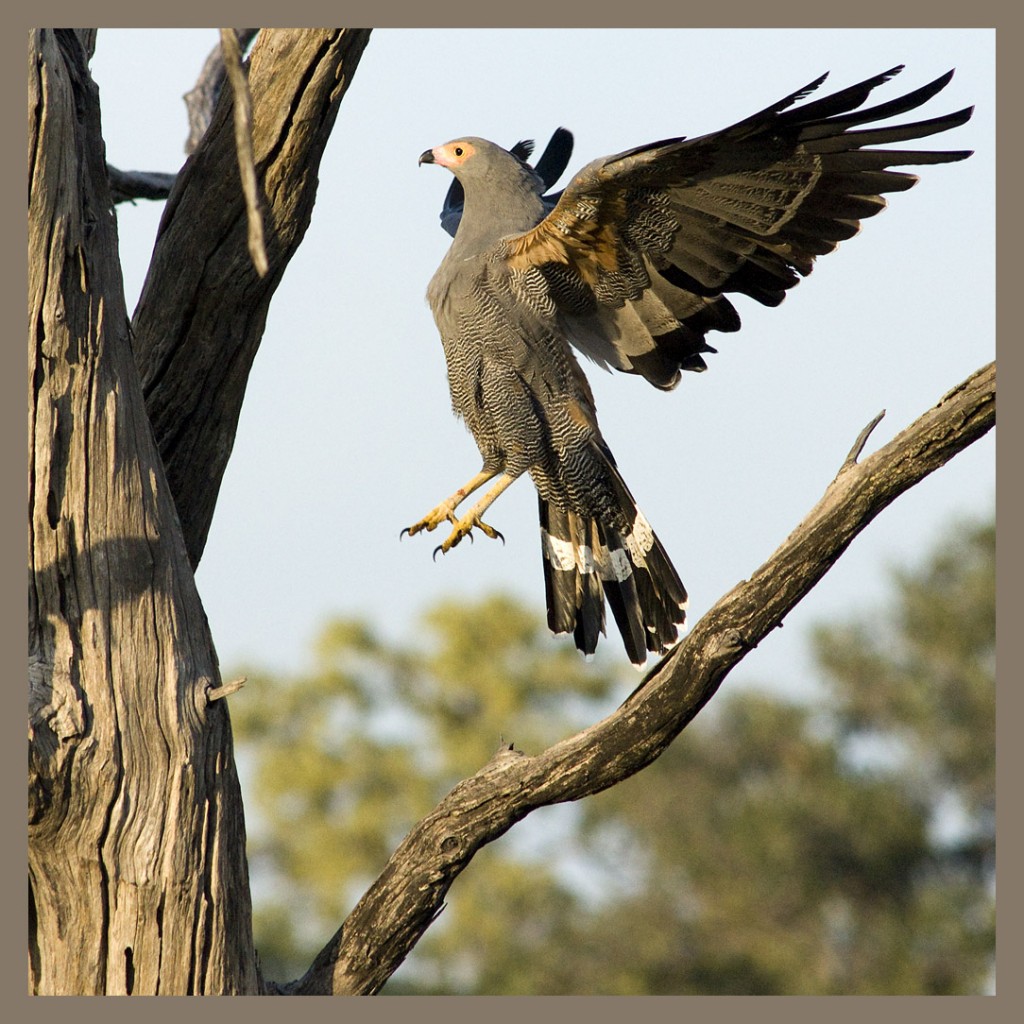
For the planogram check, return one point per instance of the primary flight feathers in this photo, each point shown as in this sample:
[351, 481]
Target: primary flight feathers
[632, 264]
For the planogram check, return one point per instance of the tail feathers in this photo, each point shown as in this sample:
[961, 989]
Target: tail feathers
[575, 599]
[586, 561]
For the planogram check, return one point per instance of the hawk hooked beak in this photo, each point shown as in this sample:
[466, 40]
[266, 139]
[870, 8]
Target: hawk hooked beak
[426, 157]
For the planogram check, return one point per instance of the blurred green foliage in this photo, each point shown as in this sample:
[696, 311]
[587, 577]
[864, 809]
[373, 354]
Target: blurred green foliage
[840, 846]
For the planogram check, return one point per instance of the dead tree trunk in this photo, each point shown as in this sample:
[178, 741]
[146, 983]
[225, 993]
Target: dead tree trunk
[137, 873]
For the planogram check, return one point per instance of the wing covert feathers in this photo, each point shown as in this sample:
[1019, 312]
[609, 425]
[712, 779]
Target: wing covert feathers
[643, 248]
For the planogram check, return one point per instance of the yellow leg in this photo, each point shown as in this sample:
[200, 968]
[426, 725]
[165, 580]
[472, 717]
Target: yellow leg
[463, 527]
[446, 510]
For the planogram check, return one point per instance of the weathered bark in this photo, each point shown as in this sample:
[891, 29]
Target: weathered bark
[203, 307]
[409, 893]
[137, 872]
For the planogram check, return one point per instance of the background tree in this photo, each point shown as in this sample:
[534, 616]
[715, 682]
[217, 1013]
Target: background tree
[137, 869]
[344, 760]
[773, 850]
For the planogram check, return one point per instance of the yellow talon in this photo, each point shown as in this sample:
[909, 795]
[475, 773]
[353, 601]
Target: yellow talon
[431, 521]
[464, 528]
[445, 512]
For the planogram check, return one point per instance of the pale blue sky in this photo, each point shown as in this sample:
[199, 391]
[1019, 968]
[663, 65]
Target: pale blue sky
[346, 435]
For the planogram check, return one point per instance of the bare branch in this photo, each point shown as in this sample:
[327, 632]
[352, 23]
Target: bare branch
[202, 98]
[127, 186]
[220, 692]
[407, 896]
[862, 439]
[243, 147]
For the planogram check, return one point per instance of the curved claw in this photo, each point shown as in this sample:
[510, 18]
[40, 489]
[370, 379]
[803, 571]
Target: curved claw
[464, 529]
[488, 531]
[445, 547]
[431, 521]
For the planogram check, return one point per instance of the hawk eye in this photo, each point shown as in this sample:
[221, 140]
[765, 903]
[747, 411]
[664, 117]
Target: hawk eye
[458, 151]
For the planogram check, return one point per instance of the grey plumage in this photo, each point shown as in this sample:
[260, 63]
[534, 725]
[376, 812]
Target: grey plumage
[631, 265]
[549, 167]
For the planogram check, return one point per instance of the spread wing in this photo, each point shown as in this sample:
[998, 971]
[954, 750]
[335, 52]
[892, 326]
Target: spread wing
[638, 256]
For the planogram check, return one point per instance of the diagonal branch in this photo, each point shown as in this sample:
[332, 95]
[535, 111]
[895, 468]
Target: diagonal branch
[409, 893]
[243, 145]
[203, 308]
